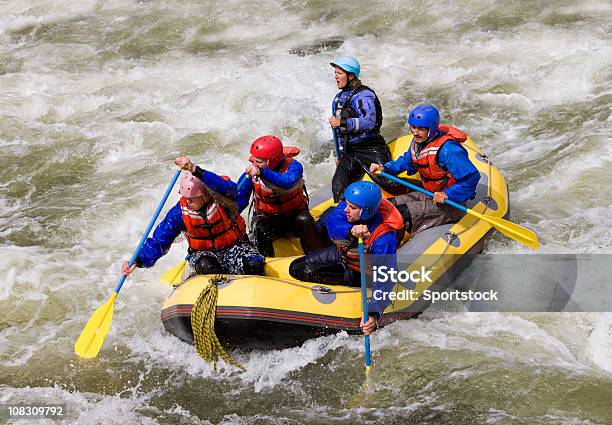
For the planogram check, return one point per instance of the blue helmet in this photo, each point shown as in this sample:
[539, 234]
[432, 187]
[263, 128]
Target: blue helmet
[347, 63]
[365, 195]
[425, 116]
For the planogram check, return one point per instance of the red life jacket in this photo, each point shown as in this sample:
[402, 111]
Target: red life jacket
[434, 177]
[214, 230]
[392, 220]
[273, 200]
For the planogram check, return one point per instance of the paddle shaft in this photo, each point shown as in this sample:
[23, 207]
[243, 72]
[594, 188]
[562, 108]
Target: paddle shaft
[364, 301]
[149, 227]
[425, 191]
[336, 144]
[335, 131]
[92, 337]
[518, 233]
[241, 183]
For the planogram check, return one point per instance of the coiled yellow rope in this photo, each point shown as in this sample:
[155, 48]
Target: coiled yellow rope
[203, 315]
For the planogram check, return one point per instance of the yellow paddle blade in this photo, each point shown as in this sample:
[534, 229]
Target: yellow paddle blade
[518, 233]
[367, 374]
[361, 398]
[89, 343]
[173, 275]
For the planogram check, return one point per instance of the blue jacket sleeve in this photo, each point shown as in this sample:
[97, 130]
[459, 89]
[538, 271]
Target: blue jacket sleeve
[382, 253]
[363, 104]
[403, 163]
[217, 183]
[163, 236]
[338, 227]
[294, 172]
[244, 194]
[454, 158]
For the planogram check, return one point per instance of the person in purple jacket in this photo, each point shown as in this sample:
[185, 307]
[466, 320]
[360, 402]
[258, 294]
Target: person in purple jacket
[356, 120]
[436, 153]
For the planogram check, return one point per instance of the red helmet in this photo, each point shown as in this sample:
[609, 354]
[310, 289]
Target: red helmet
[269, 147]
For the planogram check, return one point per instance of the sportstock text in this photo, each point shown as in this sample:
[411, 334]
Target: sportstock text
[384, 274]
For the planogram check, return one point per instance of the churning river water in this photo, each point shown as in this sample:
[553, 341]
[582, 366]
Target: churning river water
[98, 97]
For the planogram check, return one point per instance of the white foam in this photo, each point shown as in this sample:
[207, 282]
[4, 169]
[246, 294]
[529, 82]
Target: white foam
[498, 82]
[599, 344]
[264, 370]
[267, 369]
[85, 408]
[9, 281]
[505, 338]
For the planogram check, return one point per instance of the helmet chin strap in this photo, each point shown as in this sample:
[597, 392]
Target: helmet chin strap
[348, 80]
[280, 161]
[207, 197]
[361, 219]
[433, 136]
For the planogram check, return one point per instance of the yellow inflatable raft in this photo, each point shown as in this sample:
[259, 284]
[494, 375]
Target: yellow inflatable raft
[278, 311]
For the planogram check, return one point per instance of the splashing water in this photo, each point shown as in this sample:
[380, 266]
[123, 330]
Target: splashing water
[98, 98]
